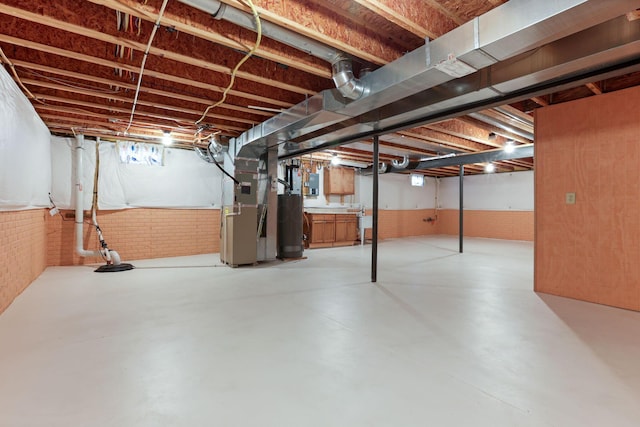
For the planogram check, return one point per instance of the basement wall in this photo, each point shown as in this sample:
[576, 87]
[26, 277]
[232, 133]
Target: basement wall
[589, 250]
[137, 234]
[25, 180]
[496, 206]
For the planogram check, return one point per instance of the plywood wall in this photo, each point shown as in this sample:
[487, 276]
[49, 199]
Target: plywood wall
[589, 250]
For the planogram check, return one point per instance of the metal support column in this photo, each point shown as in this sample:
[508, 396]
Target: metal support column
[374, 234]
[461, 210]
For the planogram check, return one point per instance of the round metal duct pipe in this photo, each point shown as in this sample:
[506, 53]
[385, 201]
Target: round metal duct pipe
[400, 164]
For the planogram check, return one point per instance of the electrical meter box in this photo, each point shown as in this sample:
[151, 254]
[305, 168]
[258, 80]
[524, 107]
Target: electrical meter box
[313, 184]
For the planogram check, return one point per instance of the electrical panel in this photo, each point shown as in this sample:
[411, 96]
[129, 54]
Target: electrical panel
[313, 185]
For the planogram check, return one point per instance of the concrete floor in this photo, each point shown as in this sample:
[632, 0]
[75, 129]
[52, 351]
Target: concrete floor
[442, 339]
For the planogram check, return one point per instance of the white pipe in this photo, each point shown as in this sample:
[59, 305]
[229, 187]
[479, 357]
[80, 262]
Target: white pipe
[79, 146]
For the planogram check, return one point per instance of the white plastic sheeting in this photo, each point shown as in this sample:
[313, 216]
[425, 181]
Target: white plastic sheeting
[25, 161]
[185, 181]
[62, 177]
[491, 191]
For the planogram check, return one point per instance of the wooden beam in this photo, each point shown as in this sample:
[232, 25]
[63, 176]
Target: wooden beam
[140, 102]
[427, 19]
[595, 88]
[141, 47]
[144, 89]
[540, 101]
[148, 72]
[139, 111]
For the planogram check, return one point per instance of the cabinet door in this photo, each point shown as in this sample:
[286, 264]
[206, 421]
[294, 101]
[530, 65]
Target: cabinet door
[329, 231]
[317, 232]
[352, 229]
[341, 229]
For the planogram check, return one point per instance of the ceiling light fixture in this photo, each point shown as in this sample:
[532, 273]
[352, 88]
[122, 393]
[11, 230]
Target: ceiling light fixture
[489, 168]
[335, 160]
[166, 138]
[510, 146]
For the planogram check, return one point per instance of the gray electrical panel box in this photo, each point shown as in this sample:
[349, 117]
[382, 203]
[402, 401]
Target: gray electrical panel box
[313, 184]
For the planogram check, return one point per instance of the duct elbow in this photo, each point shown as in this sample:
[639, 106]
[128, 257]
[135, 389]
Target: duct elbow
[346, 83]
[400, 164]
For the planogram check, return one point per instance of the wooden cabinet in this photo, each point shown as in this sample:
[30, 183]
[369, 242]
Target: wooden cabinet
[322, 228]
[346, 228]
[326, 230]
[340, 181]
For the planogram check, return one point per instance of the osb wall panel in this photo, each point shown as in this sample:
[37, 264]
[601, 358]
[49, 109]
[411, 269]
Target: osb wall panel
[507, 225]
[138, 234]
[589, 250]
[23, 237]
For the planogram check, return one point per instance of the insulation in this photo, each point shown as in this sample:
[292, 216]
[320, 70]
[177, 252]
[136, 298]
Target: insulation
[25, 168]
[185, 181]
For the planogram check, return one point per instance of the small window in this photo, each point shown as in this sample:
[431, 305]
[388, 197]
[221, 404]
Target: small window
[140, 153]
[417, 180]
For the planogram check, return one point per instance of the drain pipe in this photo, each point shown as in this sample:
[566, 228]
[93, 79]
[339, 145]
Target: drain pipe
[348, 85]
[111, 257]
[79, 147]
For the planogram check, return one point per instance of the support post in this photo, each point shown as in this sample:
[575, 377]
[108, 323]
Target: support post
[374, 236]
[461, 210]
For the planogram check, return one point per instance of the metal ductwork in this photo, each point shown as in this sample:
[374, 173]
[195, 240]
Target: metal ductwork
[402, 164]
[517, 47]
[225, 12]
[504, 126]
[346, 83]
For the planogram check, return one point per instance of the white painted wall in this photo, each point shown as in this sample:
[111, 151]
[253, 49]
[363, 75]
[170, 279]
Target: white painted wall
[397, 193]
[491, 191]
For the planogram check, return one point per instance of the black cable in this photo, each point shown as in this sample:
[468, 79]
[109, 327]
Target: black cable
[226, 173]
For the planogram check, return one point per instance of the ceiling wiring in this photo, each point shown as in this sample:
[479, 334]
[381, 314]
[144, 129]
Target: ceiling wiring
[73, 85]
[15, 74]
[144, 61]
[256, 16]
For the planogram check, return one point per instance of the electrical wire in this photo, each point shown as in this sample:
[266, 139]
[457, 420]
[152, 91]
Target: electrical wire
[254, 11]
[15, 74]
[144, 61]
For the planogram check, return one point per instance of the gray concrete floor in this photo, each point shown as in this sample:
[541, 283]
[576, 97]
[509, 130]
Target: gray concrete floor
[442, 339]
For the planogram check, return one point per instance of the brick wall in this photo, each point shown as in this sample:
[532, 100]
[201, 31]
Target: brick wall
[137, 234]
[23, 237]
[507, 225]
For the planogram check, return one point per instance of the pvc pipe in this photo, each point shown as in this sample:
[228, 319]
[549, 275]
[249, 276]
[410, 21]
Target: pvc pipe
[79, 146]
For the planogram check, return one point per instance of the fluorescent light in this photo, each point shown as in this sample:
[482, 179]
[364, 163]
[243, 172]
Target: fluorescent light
[166, 138]
[490, 167]
[335, 160]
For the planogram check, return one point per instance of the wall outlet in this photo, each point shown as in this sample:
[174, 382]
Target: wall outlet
[570, 198]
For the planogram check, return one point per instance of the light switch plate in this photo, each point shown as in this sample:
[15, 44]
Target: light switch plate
[570, 198]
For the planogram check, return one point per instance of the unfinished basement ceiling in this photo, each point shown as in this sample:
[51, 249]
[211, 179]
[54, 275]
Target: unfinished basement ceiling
[80, 61]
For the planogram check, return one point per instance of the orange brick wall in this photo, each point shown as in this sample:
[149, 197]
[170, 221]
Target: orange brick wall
[507, 225]
[589, 250]
[23, 237]
[138, 234]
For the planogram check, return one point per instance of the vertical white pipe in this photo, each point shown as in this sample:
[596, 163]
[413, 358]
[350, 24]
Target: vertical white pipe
[79, 146]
